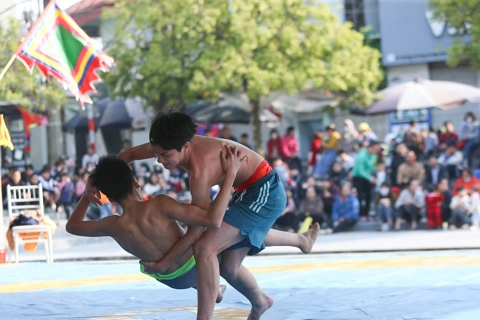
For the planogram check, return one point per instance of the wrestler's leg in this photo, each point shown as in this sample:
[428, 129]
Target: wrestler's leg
[206, 250]
[302, 241]
[239, 277]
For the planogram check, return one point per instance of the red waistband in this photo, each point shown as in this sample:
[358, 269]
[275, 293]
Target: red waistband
[262, 170]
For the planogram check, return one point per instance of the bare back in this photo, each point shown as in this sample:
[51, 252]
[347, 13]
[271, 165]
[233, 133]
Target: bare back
[205, 161]
[147, 233]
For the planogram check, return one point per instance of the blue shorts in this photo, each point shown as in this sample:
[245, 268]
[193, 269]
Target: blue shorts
[255, 210]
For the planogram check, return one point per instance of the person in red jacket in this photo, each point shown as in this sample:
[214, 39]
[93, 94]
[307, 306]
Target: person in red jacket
[274, 146]
[315, 150]
[433, 203]
[467, 180]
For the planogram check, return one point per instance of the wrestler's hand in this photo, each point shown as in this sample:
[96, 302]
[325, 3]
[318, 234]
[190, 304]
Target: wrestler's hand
[152, 267]
[231, 159]
[92, 194]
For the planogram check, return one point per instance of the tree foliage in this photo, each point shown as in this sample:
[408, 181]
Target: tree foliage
[202, 48]
[465, 17]
[18, 85]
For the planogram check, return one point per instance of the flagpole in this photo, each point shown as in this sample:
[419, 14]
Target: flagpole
[91, 125]
[7, 66]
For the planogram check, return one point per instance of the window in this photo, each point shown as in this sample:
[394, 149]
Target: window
[354, 12]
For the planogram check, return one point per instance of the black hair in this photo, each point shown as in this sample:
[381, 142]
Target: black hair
[290, 129]
[113, 177]
[244, 135]
[172, 129]
[470, 114]
[431, 187]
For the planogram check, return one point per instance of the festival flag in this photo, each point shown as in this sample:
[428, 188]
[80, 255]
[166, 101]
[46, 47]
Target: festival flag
[58, 47]
[5, 140]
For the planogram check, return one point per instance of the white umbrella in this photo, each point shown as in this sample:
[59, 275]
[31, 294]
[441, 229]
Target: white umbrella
[421, 94]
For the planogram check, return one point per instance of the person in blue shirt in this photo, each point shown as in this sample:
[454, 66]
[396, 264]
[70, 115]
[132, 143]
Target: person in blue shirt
[346, 209]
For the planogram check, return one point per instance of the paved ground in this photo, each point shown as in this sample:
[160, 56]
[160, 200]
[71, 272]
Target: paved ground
[413, 285]
[71, 248]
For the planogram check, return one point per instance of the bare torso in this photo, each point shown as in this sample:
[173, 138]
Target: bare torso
[205, 161]
[148, 234]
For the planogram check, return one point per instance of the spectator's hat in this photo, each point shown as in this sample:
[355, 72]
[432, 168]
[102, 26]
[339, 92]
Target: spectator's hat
[364, 127]
[331, 126]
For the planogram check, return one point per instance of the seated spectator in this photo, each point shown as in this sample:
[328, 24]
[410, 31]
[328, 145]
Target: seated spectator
[451, 160]
[433, 204]
[312, 206]
[337, 174]
[460, 206]
[475, 208]
[447, 137]
[346, 209]
[398, 157]
[444, 189]
[289, 218]
[384, 201]
[164, 187]
[411, 169]
[408, 205]
[380, 175]
[346, 160]
[281, 168]
[14, 181]
[413, 139]
[67, 190]
[176, 179]
[152, 187]
[51, 192]
[29, 171]
[328, 192]
[430, 140]
[330, 147]
[434, 172]
[466, 180]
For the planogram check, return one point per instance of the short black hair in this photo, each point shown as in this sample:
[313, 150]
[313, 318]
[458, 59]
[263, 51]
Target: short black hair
[244, 135]
[113, 177]
[290, 129]
[172, 129]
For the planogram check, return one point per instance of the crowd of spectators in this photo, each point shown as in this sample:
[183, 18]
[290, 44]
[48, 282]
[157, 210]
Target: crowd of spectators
[349, 176]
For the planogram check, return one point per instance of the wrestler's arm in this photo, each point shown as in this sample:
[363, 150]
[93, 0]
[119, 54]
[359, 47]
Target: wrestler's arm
[76, 224]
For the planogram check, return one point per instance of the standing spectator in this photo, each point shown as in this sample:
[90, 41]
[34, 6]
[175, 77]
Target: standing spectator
[315, 151]
[466, 181]
[329, 155]
[448, 136]
[328, 193]
[290, 149]
[451, 160]
[408, 205]
[413, 139]
[349, 138]
[89, 157]
[312, 206]
[444, 190]
[67, 190]
[226, 133]
[365, 135]
[244, 140]
[80, 186]
[460, 206]
[410, 169]
[281, 168]
[398, 158]
[126, 144]
[364, 176]
[468, 136]
[274, 146]
[434, 173]
[29, 171]
[345, 211]
[433, 205]
[384, 201]
[430, 140]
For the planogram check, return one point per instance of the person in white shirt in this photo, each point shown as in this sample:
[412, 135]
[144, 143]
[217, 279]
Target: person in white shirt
[409, 203]
[90, 156]
[475, 208]
[460, 206]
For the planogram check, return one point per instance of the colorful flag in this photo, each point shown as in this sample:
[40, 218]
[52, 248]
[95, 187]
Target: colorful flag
[5, 140]
[57, 46]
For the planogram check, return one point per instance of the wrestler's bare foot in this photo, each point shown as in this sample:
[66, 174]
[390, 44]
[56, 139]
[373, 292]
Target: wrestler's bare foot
[257, 311]
[221, 290]
[309, 238]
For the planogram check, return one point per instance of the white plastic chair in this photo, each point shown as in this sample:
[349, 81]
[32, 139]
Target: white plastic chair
[21, 198]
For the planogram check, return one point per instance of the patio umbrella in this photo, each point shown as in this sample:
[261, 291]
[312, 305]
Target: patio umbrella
[421, 94]
[115, 117]
[80, 120]
[230, 108]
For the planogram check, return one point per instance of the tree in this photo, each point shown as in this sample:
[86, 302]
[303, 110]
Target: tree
[202, 48]
[465, 17]
[18, 85]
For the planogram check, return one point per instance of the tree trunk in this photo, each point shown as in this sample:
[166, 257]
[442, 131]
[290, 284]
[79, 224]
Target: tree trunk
[257, 129]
